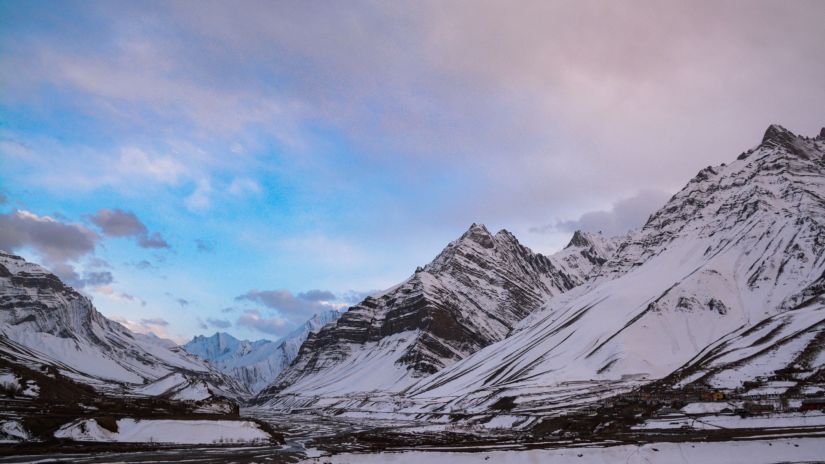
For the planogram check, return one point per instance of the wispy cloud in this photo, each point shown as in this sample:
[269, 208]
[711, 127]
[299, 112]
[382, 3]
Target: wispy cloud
[253, 319]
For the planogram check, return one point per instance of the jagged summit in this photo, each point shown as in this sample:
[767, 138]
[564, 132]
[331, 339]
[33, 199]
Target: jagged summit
[478, 233]
[777, 134]
[579, 239]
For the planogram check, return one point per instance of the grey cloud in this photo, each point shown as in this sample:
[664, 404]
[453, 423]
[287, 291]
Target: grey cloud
[624, 215]
[285, 302]
[253, 319]
[144, 265]
[183, 302]
[316, 295]
[152, 241]
[58, 242]
[203, 246]
[156, 321]
[219, 323]
[95, 279]
[119, 223]
[130, 297]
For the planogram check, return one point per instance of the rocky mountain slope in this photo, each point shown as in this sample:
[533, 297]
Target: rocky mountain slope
[255, 364]
[45, 324]
[471, 295]
[722, 287]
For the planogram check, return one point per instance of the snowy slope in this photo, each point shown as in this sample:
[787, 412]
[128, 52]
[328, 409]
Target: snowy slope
[471, 295]
[255, 364]
[44, 322]
[724, 284]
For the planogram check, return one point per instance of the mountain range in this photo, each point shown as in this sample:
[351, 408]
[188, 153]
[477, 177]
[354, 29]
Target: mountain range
[722, 287]
[255, 364]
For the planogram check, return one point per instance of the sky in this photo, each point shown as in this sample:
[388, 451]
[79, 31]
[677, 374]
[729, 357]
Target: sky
[195, 166]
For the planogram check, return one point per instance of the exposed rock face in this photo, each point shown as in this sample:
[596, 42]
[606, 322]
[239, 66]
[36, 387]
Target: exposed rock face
[469, 296]
[46, 323]
[722, 285]
[255, 364]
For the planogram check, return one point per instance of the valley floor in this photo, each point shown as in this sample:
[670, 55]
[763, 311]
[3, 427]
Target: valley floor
[762, 451]
[797, 450]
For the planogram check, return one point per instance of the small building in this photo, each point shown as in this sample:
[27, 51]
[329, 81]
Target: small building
[814, 404]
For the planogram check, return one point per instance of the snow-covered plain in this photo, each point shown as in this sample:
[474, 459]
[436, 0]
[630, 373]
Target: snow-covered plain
[797, 450]
[166, 431]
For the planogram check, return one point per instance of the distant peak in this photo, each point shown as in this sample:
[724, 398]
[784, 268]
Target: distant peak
[777, 134]
[478, 233]
[822, 133]
[580, 239]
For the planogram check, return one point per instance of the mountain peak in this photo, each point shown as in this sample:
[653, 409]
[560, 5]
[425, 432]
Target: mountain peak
[478, 233]
[777, 134]
[580, 239]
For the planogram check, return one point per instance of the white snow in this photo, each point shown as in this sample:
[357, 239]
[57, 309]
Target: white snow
[778, 420]
[166, 431]
[707, 408]
[12, 431]
[751, 452]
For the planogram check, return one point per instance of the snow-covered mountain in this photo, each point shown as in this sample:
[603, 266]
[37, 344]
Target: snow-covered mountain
[471, 295]
[43, 322]
[255, 364]
[723, 286]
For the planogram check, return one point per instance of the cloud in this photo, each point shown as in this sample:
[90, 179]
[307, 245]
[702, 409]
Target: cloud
[3, 199]
[154, 326]
[182, 302]
[155, 322]
[253, 319]
[95, 279]
[218, 323]
[296, 308]
[316, 295]
[152, 241]
[199, 199]
[59, 243]
[241, 186]
[624, 215]
[164, 169]
[354, 297]
[108, 291]
[144, 265]
[119, 223]
[204, 246]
